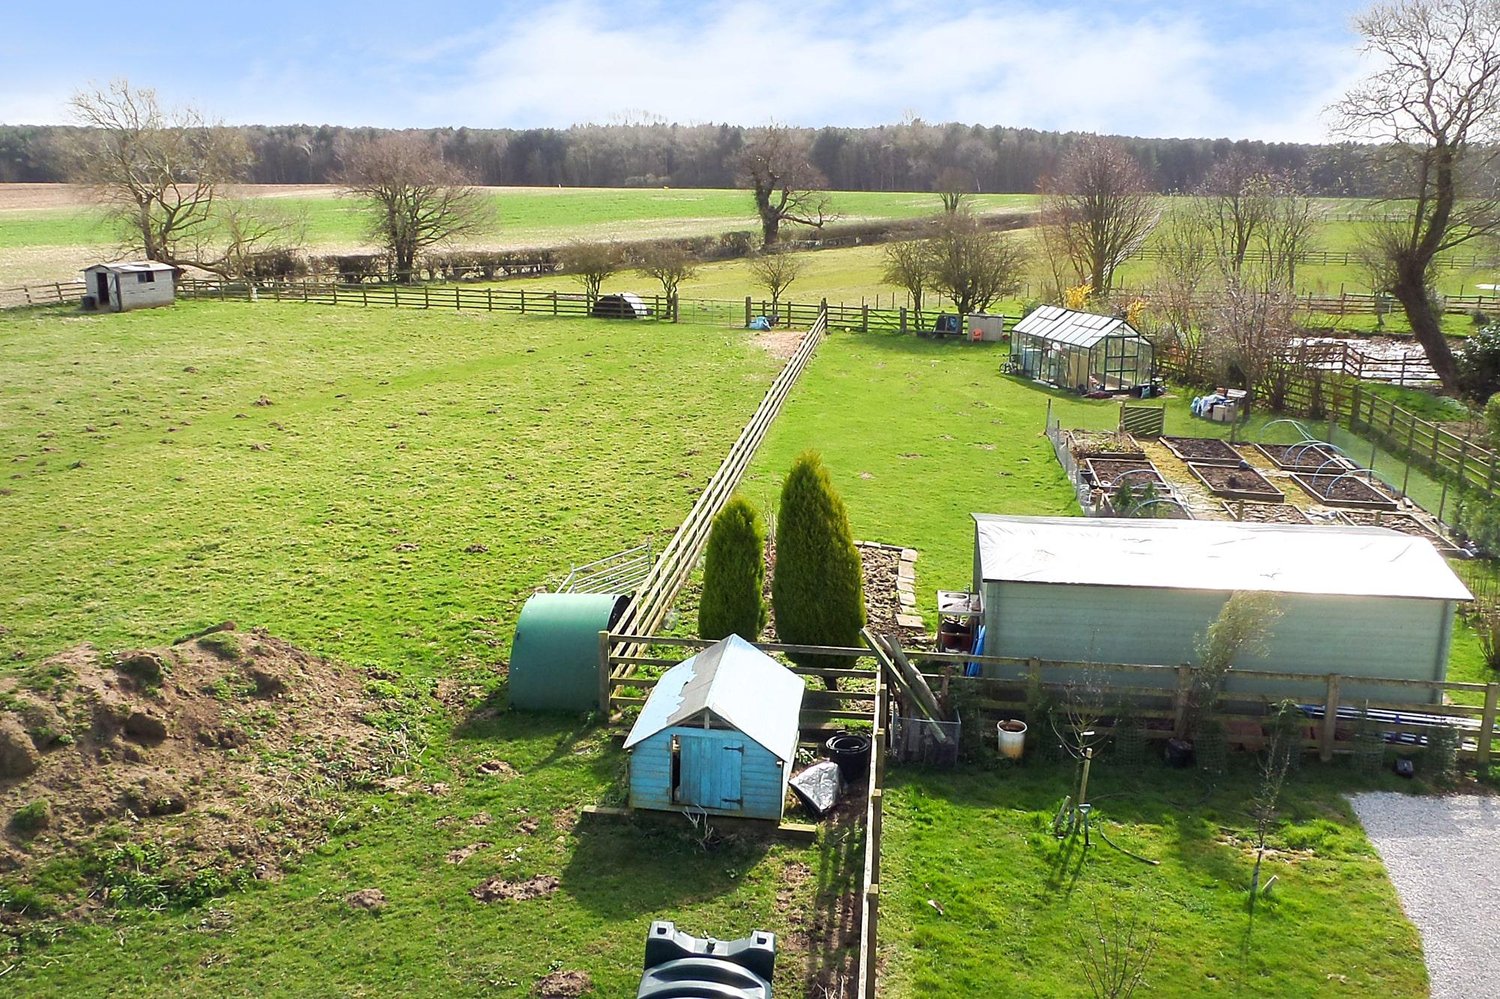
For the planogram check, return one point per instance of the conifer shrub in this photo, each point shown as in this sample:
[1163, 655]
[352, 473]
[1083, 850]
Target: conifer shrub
[817, 588]
[734, 574]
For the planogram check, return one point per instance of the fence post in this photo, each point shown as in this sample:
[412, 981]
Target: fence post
[335, 294]
[903, 319]
[864, 318]
[554, 303]
[523, 301]
[1180, 706]
[604, 674]
[1330, 719]
[58, 288]
[748, 317]
[426, 297]
[1354, 408]
[1463, 452]
[458, 305]
[1487, 725]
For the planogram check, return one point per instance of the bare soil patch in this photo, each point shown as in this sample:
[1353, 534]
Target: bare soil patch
[1202, 450]
[881, 567]
[226, 752]
[1337, 490]
[1237, 483]
[780, 344]
[463, 853]
[1302, 457]
[498, 889]
[1107, 471]
[563, 985]
[368, 899]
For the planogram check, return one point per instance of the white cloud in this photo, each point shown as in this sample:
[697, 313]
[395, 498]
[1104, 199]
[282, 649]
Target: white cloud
[1054, 68]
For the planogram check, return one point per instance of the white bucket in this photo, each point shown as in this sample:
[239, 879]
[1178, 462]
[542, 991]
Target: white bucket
[1012, 735]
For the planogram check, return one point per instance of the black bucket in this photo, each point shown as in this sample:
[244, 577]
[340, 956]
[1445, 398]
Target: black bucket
[851, 752]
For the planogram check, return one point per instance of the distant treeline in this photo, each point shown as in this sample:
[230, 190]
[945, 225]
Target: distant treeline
[907, 157]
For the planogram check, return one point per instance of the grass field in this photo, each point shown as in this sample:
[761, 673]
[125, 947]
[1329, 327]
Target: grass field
[1015, 903]
[386, 487]
[328, 474]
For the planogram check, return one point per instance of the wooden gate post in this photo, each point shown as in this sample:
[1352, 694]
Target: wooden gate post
[1330, 719]
[1487, 726]
[1179, 712]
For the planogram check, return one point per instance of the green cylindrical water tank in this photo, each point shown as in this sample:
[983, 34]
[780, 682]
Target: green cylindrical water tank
[554, 660]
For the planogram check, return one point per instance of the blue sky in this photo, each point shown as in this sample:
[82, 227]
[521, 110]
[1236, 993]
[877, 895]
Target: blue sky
[1237, 68]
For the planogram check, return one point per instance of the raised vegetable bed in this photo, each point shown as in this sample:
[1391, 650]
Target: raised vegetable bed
[1403, 522]
[1103, 444]
[1203, 451]
[1301, 457]
[1237, 483]
[1265, 513]
[1106, 471]
[1347, 491]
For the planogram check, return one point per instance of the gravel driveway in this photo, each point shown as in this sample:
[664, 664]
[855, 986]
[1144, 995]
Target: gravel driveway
[1443, 855]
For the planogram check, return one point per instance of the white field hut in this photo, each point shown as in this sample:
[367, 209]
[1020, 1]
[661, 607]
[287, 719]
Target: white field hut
[121, 287]
[1355, 601]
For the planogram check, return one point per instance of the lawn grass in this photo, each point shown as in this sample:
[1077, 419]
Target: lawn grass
[978, 897]
[321, 471]
[148, 493]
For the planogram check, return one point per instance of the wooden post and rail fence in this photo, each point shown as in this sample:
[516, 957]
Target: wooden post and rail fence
[1156, 695]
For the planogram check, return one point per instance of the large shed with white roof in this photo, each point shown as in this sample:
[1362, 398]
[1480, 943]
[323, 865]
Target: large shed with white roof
[1356, 601]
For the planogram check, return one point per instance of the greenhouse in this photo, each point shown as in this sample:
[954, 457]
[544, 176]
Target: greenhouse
[1082, 352]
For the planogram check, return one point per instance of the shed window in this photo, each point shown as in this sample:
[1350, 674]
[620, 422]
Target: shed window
[145, 277]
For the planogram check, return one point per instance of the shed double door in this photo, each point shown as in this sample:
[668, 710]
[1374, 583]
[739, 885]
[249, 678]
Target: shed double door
[711, 771]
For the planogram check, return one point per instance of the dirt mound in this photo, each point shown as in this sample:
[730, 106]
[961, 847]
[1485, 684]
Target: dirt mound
[222, 754]
[498, 889]
[563, 985]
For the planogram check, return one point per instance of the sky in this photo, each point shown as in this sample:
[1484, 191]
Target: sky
[1261, 69]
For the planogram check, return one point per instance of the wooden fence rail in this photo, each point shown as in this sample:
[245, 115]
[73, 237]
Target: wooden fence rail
[675, 564]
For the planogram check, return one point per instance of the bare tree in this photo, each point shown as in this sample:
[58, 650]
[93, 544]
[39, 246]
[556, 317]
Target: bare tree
[670, 264]
[591, 263]
[1183, 273]
[1116, 950]
[163, 175]
[1249, 334]
[908, 267]
[973, 265]
[1432, 104]
[413, 200]
[956, 187]
[775, 271]
[1100, 207]
[1234, 206]
[1292, 227]
[785, 185]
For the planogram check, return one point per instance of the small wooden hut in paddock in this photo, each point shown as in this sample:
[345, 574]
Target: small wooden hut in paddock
[122, 287]
[718, 734]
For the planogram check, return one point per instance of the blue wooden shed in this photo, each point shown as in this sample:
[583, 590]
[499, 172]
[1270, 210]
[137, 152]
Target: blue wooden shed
[718, 733]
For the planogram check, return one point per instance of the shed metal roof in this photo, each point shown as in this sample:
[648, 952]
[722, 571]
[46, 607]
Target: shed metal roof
[1076, 329]
[736, 682]
[133, 266]
[1213, 555]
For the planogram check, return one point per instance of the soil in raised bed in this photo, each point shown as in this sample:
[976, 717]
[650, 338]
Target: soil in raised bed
[1202, 450]
[1264, 513]
[1237, 483]
[1304, 458]
[1104, 444]
[1109, 470]
[1403, 522]
[1346, 491]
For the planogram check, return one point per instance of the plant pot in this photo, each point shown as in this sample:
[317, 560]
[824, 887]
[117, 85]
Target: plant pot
[852, 754]
[1179, 753]
[1012, 737]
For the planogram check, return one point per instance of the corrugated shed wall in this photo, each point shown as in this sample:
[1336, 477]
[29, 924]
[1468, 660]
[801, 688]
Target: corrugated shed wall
[1352, 636]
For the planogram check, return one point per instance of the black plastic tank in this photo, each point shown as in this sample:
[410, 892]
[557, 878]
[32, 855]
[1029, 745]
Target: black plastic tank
[682, 966]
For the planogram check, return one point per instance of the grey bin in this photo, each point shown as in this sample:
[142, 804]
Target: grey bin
[682, 966]
[554, 660]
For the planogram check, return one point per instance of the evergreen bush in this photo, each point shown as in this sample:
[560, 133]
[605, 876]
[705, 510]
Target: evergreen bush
[734, 574]
[817, 589]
